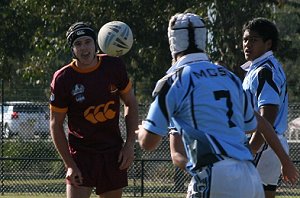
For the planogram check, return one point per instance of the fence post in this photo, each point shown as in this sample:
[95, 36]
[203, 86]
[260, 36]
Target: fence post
[2, 133]
[142, 178]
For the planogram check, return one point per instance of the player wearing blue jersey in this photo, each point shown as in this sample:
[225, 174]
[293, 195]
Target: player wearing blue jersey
[207, 105]
[266, 81]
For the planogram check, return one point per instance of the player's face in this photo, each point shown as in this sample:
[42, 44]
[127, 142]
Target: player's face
[84, 50]
[254, 46]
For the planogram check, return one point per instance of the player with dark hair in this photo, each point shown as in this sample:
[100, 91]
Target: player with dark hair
[88, 91]
[266, 81]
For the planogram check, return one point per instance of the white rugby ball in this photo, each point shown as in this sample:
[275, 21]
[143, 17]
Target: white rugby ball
[115, 38]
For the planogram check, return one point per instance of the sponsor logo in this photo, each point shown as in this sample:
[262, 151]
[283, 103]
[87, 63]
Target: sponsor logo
[80, 32]
[100, 113]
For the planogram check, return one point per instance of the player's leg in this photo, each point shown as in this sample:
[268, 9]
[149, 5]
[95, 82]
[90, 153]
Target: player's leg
[112, 194]
[86, 163]
[270, 194]
[110, 179]
[78, 192]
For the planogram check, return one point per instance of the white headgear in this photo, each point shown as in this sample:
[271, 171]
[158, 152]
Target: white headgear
[178, 32]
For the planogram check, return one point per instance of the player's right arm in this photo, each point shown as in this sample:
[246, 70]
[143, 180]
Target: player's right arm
[289, 171]
[147, 139]
[269, 112]
[59, 139]
[178, 154]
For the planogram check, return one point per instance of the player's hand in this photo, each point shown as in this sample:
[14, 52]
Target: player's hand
[290, 174]
[126, 156]
[74, 176]
[139, 128]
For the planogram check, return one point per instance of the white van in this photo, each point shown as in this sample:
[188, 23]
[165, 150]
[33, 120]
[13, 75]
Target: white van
[293, 133]
[25, 119]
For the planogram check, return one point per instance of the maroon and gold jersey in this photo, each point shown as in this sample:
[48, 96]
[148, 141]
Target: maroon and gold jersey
[91, 99]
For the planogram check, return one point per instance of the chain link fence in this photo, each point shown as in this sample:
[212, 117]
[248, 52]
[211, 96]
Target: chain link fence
[30, 164]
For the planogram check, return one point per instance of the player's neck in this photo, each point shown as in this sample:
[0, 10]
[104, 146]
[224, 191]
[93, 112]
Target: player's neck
[86, 64]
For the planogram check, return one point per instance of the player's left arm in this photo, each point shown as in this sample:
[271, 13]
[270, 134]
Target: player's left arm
[126, 156]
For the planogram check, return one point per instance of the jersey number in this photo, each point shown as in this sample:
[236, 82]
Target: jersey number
[225, 94]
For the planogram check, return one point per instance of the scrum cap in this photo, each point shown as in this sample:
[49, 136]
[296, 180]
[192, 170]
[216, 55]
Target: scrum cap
[181, 28]
[77, 30]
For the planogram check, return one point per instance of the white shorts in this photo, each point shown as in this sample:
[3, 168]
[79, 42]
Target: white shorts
[268, 164]
[228, 178]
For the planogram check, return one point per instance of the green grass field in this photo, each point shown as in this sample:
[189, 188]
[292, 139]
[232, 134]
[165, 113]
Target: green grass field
[55, 183]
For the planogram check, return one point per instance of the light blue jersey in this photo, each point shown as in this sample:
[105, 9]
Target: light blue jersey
[266, 81]
[208, 106]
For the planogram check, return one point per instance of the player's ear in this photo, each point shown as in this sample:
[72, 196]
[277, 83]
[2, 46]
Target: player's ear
[73, 54]
[269, 44]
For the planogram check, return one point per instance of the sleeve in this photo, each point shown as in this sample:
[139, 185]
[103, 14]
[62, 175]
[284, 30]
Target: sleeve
[123, 82]
[156, 122]
[266, 90]
[165, 106]
[58, 98]
[172, 128]
[158, 119]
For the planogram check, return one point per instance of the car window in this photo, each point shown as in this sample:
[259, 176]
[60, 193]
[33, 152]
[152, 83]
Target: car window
[28, 109]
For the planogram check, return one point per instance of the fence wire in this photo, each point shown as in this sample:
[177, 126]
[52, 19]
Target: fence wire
[30, 164]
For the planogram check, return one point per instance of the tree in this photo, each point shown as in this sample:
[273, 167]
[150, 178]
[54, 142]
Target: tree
[288, 22]
[34, 43]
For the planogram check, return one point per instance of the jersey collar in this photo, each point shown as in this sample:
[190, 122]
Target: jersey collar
[194, 57]
[246, 66]
[183, 61]
[86, 70]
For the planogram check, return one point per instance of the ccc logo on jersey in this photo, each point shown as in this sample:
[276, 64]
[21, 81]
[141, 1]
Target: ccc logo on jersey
[100, 113]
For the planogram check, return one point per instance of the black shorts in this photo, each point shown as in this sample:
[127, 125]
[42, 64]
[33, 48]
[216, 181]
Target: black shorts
[101, 171]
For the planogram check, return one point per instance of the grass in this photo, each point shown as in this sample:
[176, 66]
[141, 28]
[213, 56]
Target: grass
[59, 184]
